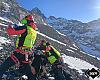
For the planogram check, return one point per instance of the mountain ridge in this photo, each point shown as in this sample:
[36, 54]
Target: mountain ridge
[86, 35]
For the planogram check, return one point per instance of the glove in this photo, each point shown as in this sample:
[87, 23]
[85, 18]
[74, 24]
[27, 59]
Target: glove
[12, 31]
[61, 60]
[15, 26]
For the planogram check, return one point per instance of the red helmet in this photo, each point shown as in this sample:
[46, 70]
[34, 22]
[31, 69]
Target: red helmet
[29, 17]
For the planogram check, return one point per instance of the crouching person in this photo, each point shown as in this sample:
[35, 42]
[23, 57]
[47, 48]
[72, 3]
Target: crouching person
[54, 58]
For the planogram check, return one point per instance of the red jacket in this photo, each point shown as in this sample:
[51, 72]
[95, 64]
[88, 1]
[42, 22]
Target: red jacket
[15, 31]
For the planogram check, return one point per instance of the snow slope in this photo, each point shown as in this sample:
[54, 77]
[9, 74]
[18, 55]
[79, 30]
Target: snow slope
[78, 64]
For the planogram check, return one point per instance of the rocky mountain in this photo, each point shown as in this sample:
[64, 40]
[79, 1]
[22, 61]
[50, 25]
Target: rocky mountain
[10, 9]
[38, 12]
[86, 35]
[77, 61]
[95, 23]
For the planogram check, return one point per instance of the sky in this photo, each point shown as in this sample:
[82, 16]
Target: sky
[82, 10]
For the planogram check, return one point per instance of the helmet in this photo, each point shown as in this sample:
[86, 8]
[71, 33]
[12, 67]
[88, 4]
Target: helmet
[29, 17]
[48, 43]
[42, 45]
[43, 42]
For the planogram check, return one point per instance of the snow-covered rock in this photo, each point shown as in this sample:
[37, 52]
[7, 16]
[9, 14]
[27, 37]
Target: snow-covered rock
[86, 35]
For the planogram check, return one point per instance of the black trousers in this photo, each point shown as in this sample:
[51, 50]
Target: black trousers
[25, 68]
[58, 71]
[42, 60]
[38, 61]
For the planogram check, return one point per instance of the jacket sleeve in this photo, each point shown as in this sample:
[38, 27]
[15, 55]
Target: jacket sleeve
[19, 27]
[15, 31]
[56, 51]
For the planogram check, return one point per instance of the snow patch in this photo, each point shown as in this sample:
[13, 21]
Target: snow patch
[70, 50]
[60, 33]
[6, 4]
[73, 48]
[45, 23]
[6, 7]
[78, 64]
[3, 24]
[49, 25]
[51, 38]
[94, 78]
[25, 77]
[3, 40]
[5, 11]
[7, 20]
[1, 48]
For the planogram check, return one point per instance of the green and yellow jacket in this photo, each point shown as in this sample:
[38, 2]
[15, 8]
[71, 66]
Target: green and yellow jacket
[51, 53]
[27, 38]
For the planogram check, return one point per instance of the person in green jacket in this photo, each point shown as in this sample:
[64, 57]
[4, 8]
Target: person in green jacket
[53, 56]
[22, 54]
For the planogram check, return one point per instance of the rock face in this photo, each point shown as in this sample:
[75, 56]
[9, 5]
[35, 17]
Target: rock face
[75, 34]
[11, 10]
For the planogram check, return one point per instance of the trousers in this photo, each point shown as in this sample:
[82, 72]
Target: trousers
[25, 68]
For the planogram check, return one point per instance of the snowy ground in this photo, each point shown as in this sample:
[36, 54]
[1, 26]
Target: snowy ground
[78, 64]
[3, 40]
[7, 20]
